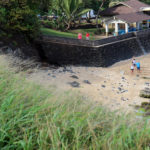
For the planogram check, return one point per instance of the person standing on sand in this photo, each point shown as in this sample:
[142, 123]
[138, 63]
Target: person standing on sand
[132, 68]
[138, 66]
[134, 62]
[87, 36]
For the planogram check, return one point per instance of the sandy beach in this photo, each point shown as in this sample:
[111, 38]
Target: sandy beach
[115, 86]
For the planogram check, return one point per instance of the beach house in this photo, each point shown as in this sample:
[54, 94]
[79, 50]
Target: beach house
[126, 16]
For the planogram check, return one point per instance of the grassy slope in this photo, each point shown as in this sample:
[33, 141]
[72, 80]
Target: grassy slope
[33, 118]
[69, 34]
[52, 32]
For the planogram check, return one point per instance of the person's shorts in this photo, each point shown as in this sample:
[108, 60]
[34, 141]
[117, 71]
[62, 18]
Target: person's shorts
[132, 69]
[138, 68]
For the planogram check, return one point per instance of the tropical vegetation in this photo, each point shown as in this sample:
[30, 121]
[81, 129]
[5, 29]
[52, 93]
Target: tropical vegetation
[69, 10]
[32, 117]
[21, 16]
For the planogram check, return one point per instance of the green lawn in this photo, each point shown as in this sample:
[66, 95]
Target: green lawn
[84, 31]
[52, 32]
[71, 33]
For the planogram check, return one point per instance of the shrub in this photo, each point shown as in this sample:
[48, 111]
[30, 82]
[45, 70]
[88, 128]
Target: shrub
[100, 31]
[48, 24]
[103, 32]
[53, 24]
[18, 17]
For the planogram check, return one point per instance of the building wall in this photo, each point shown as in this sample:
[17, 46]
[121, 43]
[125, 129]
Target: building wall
[100, 53]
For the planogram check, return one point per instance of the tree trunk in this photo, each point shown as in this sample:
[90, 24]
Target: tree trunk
[80, 20]
[68, 26]
[89, 17]
[90, 14]
[103, 1]
[86, 17]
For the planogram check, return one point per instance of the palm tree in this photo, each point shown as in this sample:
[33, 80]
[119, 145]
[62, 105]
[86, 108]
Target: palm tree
[115, 2]
[71, 10]
[109, 3]
[99, 10]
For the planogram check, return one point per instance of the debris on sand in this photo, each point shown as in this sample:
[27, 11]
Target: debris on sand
[124, 99]
[74, 76]
[145, 93]
[75, 84]
[103, 86]
[87, 81]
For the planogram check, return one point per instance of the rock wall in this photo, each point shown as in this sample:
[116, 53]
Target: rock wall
[144, 37]
[17, 46]
[103, 53]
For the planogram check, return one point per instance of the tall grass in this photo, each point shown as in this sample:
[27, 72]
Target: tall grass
[34, 118]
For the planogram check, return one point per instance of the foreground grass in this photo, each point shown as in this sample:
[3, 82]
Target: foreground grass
[34, 118]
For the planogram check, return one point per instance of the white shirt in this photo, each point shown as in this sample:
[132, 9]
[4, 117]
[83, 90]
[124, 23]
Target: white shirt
[134, 62]
[132, 67]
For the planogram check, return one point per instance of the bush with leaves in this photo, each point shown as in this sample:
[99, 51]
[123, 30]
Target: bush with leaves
[19, 17]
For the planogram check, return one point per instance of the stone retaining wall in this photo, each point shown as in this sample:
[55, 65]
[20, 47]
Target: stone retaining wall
[144, 37]
[103, 53]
